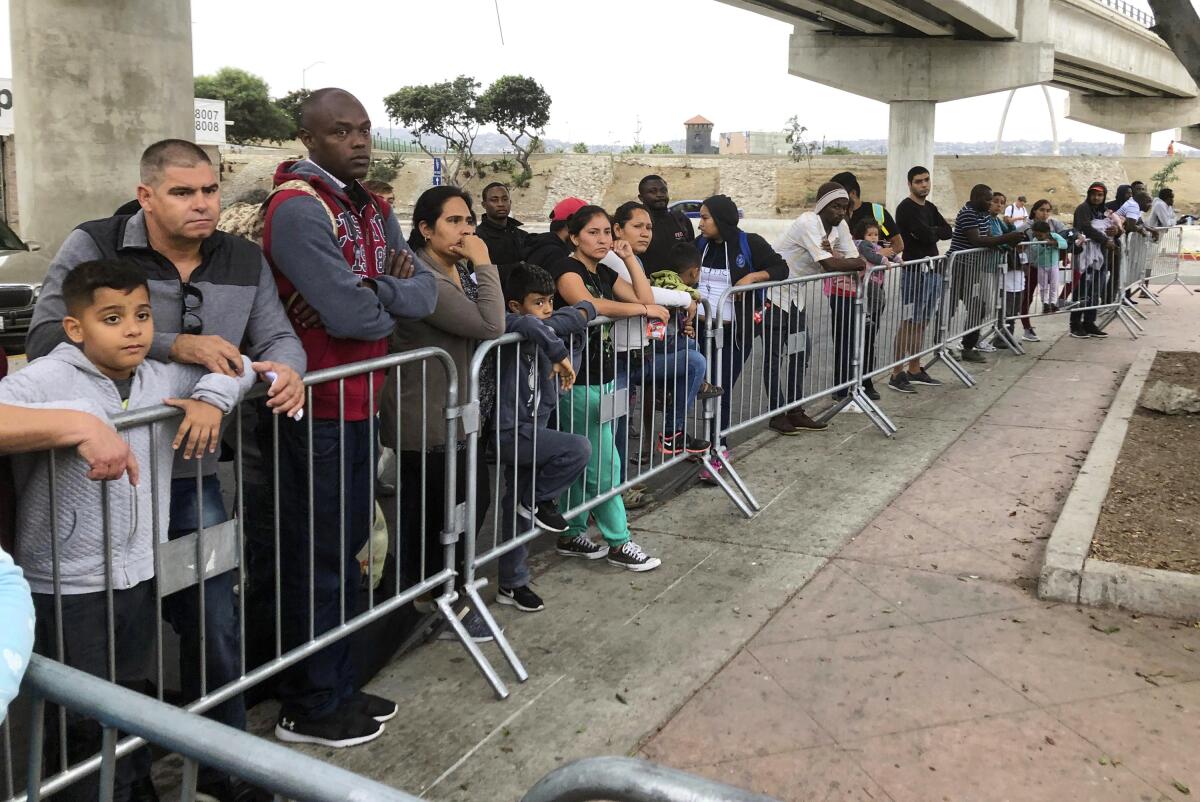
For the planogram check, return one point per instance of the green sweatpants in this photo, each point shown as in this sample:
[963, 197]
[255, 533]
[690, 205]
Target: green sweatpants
[579, 413]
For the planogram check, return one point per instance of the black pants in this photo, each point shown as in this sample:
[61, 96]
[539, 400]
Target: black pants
[844, 334]
[422, 515]
[967, 289]
[85, 647]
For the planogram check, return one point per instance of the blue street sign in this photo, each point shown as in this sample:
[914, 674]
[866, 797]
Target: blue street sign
[437, 171]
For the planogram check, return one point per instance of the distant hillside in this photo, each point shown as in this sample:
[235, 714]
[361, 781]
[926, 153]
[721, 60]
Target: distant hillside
[489, 142]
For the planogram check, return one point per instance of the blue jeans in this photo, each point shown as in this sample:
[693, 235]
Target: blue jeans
[315, 687]
[221, 652]
[679, 368]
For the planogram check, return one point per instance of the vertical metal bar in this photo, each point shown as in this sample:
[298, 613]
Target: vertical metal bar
[200, 578]
[60, 649]
[187, 784]
[109, 612]
[312, 533]
[160, 682]
[37, 745]
[373, 461]
[342, 501]
[108, 763]
[275, 518]
[239, 481]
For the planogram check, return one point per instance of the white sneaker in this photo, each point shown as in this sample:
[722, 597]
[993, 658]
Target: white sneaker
[852, 407]
[985, 346]
[1031, 336]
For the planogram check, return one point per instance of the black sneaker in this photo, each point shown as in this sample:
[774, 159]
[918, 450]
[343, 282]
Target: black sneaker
[522, 598]
[545, 515]
[1094, 331]
[922, 377]
[901, 384]
[230, 790]
[680, 443]
[871, 392]
[581, 546]
[346, 726]
[972, 355]
[630, 555]
[473, 622]
[375, 707]
[1079, 333]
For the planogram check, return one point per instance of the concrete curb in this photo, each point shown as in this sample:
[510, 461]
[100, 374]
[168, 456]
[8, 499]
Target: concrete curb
[1068, 574]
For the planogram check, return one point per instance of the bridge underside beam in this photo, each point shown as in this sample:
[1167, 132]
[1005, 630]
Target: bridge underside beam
[1189, 135]
[1132, 115]
[918, 69]
[993, 18]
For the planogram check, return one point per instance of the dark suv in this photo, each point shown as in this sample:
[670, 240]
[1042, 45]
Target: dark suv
[22, 272]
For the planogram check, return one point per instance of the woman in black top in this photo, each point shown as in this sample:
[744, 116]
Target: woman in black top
[581, 277]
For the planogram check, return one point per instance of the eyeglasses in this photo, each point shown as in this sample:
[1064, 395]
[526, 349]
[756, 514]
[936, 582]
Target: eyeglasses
[193, 299]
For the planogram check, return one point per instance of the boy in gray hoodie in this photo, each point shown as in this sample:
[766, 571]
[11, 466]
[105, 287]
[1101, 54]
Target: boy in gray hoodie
[531, 374]
[62, 539]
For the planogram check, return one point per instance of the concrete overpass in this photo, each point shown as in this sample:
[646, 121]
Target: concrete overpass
[913, 54]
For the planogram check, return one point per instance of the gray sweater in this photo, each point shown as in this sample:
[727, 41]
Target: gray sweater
[240, 300]
[66, 379]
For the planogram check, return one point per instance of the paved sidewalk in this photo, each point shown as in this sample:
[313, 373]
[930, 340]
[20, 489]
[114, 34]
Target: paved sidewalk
[918, 664]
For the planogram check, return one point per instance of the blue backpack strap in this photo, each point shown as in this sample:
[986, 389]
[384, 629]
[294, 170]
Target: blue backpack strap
[744, 242]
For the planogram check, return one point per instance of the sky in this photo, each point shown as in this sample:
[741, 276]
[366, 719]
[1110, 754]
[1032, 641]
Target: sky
[616, 71]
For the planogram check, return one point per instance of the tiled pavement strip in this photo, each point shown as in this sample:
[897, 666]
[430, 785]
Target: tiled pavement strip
[872, 634]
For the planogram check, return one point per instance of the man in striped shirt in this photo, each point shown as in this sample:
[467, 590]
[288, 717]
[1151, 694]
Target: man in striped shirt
[972, 230]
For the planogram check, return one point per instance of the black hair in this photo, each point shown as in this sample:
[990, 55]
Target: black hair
[913, 172]
[848, 183]
[624, 212]
[557, 225]
[492, 185]
[1037, 205]
[864, 225]
[1166, 192]
[1040, 226]
[998, 194]
[647, 179]
[525, 278]
[683, 255]
[429, 208]
[577, 221]
[169, 153]
[980, 189]
[80, 285]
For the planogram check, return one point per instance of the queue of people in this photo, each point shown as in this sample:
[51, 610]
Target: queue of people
[157, 302]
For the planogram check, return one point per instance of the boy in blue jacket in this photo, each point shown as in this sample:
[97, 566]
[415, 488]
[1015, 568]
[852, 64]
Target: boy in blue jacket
[540, 463]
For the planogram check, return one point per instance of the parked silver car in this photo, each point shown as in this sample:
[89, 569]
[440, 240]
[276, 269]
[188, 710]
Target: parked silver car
[22, 271]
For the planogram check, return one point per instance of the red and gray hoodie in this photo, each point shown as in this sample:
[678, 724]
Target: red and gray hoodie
[327, 269]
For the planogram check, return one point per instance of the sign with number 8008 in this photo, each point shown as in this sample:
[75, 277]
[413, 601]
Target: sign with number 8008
[6, 106]
[210, 121]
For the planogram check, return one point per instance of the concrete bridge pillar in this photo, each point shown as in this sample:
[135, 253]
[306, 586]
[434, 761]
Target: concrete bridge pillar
[1136, 145]
[1189, 136]
[913, 76]
[96, 83]
[910, 142]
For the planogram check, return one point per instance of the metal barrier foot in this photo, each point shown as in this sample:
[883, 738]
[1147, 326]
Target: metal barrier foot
[1149, 294]
[481, 662]
[1180, 282]
[1129, 307]
[1129, 322]
[506, 648]
[744, 500]
[942, 355]
[874, 413]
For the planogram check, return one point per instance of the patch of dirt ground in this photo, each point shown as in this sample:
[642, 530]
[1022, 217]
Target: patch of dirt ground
[1151, 516]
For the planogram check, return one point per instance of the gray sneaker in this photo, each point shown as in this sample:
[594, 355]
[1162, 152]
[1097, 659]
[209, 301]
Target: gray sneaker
[901, 384]
[971, 355]
[921, 377]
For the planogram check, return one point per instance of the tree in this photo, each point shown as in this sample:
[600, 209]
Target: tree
[289, 104]
[1166, 175]
[579, 147]
[247, 103]
[801, 148]
[449, 110]
[635, 148]
[519, 108]
[836, 150]
[662, 147]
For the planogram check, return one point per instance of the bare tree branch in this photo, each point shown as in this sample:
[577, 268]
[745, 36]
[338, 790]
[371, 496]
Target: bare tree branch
[1179, 26]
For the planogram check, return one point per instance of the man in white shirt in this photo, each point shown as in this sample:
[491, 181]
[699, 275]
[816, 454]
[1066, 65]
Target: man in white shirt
[1016, 213]
[816, 242]
[1162, 211]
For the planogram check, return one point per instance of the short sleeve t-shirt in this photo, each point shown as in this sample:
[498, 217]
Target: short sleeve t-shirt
[1130, 210]
[968, 218]
[867, 212]
[600, 363]
[801, 246]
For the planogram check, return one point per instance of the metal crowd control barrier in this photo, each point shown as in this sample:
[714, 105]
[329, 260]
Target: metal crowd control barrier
[973, 281]
[277, 770]
[596, 419]
[624, 779]
[281, 527]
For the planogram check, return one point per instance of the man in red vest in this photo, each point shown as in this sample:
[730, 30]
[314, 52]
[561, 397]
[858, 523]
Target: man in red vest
[345, 274]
